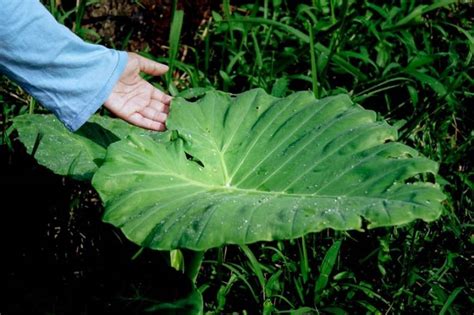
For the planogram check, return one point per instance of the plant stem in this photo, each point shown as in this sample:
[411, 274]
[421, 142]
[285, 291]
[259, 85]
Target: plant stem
[192, 263]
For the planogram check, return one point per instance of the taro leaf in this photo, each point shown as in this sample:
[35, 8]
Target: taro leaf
[255, 167]
[65, 153]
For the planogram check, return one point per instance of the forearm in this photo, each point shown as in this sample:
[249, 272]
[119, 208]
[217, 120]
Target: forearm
[66, 75]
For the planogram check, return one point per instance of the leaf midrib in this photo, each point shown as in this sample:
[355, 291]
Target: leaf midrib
[211, 188]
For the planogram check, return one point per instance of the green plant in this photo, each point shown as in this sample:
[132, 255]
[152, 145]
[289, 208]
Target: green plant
[412, 64]
[237, 170]
[77, 155]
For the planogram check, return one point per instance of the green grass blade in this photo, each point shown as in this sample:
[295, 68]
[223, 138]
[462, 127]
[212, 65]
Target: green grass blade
[314, 70]
[304, 263]
[450, 300]
[228, 16]
[325, 270]
[175, 33]
[424, 78]
[289, 29]
[255, 266]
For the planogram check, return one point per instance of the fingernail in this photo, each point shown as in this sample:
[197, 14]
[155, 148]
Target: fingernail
[164, 68]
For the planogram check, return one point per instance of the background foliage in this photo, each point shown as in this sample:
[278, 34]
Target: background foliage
[410, 61]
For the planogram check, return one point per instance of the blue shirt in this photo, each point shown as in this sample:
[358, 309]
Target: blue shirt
[66, 75]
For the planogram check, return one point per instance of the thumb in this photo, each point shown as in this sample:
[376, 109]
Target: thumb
[150, 67]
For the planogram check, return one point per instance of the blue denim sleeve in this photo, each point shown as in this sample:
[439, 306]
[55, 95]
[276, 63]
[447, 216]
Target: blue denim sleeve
[68, 76]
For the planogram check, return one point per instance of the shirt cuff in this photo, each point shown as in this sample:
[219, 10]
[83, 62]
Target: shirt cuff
[98, 100]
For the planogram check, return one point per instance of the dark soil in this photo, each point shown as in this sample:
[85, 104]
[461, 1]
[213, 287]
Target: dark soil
[60, 258]
[146, 25]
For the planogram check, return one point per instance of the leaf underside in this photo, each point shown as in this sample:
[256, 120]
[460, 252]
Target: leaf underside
[253, 167]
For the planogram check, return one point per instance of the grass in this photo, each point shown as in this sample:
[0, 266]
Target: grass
[409, 61]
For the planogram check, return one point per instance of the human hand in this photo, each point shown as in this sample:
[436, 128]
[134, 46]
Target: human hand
[135, 100]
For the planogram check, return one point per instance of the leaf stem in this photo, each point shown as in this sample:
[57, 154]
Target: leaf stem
[192, 263]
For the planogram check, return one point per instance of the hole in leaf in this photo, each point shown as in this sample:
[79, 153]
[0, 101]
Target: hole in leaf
[191, 158]
[399, 156]
[193, 99]
[416, 178]
[422, 177]
[364, 225]
[430, 177]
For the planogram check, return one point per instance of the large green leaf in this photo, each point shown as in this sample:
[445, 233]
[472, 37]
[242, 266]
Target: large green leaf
[75, 154]
[254, 167]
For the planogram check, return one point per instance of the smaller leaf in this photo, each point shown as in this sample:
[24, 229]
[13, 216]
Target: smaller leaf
[76, 154]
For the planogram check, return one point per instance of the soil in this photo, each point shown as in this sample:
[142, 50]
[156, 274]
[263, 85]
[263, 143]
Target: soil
[146, 25]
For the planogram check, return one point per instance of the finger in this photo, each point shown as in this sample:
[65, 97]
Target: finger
[151, 67]
[166, 110]
[162, 97]
[154, 114]
[159, 106]
[139, 120]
